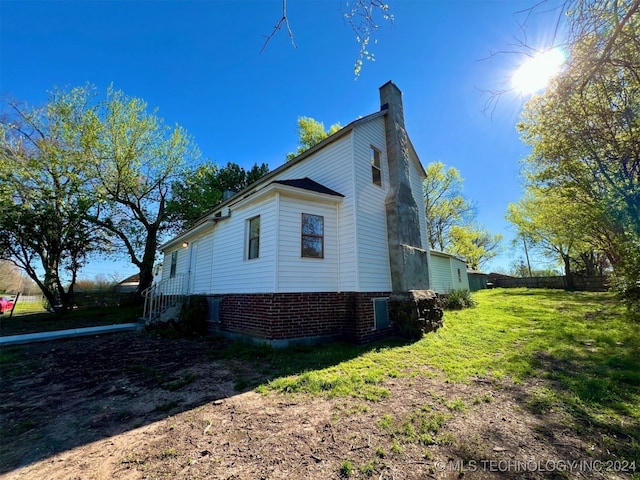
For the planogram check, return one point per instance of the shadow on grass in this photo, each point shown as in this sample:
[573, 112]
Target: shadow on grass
[595, 386]
[64, 394]
[581, 355]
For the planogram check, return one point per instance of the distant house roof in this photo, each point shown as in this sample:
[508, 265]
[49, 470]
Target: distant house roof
[133, 279]
[446, 255]
[476, 272]
[308, 184]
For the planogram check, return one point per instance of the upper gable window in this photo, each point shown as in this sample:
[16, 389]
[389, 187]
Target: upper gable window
[312, 236]
[376, 168]
[253, 236]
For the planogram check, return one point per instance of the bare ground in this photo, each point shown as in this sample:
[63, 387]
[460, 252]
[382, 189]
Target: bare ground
[137, 406]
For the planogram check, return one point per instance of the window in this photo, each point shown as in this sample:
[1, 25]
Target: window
[376, 169]
[253, 245]
[381, 313]
[459, 276]
[312, 236]
[174, 264]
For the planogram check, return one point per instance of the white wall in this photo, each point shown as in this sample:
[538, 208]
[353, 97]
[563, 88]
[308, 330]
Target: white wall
[298, 274]
[333, 168]
[444, 273]
[356, 243]
[231, 270]
[371, 218]
[418, 195]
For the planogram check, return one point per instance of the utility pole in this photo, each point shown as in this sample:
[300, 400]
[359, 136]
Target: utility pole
[526, 254]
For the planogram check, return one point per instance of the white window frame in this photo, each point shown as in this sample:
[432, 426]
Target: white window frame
[251, 239]
[376, 166]
[309, 235]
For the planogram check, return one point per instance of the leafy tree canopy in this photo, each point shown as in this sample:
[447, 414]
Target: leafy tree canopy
[199, 190]
[584, 129]
[85, 174]
[45, 197]
[450, 226]
[310, 133]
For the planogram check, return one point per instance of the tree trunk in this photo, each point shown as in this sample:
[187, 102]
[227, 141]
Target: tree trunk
[568, 275]
[146, 266]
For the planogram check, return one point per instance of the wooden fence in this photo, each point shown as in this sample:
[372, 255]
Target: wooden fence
[582, 283]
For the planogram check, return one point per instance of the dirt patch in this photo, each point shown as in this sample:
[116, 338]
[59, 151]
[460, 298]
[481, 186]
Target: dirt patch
[137, 406]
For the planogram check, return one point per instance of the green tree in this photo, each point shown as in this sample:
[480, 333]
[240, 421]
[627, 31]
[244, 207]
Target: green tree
[445, 205]
[310, 133]
[554, 224]
[450, 225]
[199, 190]
[133, 160]
[476, 244]
[44, 199]
[584, 129]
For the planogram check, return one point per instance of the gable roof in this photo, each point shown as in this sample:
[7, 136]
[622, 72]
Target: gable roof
[215, 215]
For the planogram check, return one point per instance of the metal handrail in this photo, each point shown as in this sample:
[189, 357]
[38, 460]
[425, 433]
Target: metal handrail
[160, 296]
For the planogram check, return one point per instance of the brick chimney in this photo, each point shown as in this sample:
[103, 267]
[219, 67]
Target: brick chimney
[407, 258]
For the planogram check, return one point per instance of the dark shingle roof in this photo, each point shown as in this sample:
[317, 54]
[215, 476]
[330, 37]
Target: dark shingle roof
[307, 184]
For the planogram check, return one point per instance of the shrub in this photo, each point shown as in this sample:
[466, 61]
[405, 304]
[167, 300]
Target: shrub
[459, 299]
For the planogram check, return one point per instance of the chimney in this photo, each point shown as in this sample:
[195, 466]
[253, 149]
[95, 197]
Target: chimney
[407, 258]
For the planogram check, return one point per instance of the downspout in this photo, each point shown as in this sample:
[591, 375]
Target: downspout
[276, 267]
[338, 244]
[190, 247]
[354, 189]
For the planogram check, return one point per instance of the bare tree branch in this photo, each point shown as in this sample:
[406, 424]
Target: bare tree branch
[283, 21]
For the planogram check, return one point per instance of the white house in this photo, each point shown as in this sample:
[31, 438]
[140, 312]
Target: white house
[314, 249]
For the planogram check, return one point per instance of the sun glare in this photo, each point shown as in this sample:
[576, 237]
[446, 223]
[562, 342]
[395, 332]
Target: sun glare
[534, 74]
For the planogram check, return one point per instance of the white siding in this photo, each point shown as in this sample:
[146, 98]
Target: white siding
[201, 265]
[460, 281]
[371, 218]
[298, 274]
[440, 274]
[182, 268]
[418, 195]
[231, 271]
[333, 168]
[444, 273]
[356, 243]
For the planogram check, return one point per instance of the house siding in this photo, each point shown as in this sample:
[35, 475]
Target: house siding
[333, 168]
[231, 270]
[281, 295]
[181, 265]
[202, 258]
[299, 274]
[444, 273]
[416, 179]
[373, 248]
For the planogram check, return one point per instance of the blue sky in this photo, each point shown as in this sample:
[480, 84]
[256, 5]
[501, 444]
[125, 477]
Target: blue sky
[199, 62]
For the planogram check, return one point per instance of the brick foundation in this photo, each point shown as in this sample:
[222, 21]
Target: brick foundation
[279, 318]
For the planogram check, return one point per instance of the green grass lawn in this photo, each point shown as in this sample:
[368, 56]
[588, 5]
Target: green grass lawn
[585, 346]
